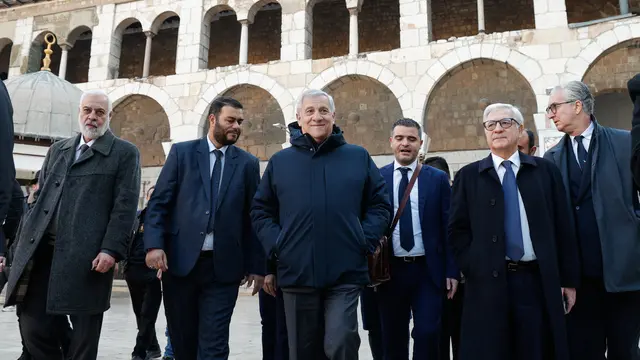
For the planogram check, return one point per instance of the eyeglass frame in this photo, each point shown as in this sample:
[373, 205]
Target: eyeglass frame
[496, 122]
[555, 106]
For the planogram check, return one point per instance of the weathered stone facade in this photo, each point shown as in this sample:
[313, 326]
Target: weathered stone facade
[381, 60]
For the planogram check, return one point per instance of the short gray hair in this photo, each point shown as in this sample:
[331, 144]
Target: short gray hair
[515, 112]
[578, 91]
[97, 92]
[315, 93]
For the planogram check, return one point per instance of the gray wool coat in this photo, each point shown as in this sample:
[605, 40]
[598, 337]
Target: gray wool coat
[97, 197]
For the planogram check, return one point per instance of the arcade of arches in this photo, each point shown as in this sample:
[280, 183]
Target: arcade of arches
[142, 121]
[261, 111]
[456, 105]
[365, 111]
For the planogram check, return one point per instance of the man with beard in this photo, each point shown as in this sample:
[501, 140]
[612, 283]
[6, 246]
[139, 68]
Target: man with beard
[198, 233]
[77, 229]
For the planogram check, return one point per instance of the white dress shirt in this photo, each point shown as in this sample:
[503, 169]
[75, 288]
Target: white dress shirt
[208, 240]
[418, 249]
[529, 254]
[586, 141]
[89, 144]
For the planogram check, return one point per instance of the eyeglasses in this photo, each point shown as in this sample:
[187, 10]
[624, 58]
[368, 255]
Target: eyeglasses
[504, 123]
[553, 108]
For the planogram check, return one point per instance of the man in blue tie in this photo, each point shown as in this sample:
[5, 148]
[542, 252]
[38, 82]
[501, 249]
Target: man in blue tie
[516, 249]
[198, 233]
[422, 266]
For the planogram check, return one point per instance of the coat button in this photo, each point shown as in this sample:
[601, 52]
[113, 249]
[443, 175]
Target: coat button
[577, 207]
[493, 202]
[32, 240]
[206, 212]
[46, 211]
[494, 238]
[57, 183]
[495, 273]
[201, 233]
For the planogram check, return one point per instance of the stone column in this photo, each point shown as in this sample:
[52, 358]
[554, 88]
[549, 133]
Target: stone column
[481, 27]
[353, 31]
[244, 42]
[63, 60]
[147, 54]
[624, 7]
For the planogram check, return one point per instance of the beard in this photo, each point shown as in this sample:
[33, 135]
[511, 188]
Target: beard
[91, 132]
[220, 135]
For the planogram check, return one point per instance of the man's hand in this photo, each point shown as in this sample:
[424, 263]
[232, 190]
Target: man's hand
[157, 259]
[270, 285]
[103, 263]
[569, 297]
[452, 287]
[3, 263]
[256, 280]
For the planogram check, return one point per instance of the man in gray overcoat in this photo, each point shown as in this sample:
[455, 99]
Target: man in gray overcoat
[594, 162]
[78, 228]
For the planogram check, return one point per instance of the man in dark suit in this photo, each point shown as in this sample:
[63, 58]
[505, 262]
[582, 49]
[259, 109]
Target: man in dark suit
[594, 162]
[422, 265]
[199, 215]
[515, 248]
[527, 142]
[633, 85]
[274, 326]
[8, 170]
[76, 231]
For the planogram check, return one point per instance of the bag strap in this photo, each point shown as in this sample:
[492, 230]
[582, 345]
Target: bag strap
[405, 198]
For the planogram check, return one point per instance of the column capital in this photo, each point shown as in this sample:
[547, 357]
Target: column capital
[65, 46]
[149, 34]
[354, 5]
[246, 22]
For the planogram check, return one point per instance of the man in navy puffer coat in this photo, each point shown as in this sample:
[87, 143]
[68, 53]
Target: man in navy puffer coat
[321, 206]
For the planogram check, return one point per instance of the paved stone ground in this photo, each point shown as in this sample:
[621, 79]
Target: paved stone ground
[119, 331]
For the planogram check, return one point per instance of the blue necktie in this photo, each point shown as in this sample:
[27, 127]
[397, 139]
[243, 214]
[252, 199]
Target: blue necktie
[512, 225]
[582, 152]
[215, 184]
[406, 224]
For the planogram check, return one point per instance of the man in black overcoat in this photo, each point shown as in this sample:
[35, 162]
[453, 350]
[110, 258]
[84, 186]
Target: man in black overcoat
[514, 246]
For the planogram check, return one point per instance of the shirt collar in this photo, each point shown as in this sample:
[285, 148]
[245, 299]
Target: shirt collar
[411, 166]
[514, 158]
[587, 133]
[213, 147]
[89, 144]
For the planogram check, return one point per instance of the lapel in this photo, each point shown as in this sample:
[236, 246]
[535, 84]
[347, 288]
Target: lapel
[102, 145]
[387, 174]
[203, 164]
[560, 159]
[423, 189]
[486, 164]
[69, 150]
[230, 163]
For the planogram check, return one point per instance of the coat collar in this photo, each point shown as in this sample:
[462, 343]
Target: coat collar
[103, 144]
[487, 163]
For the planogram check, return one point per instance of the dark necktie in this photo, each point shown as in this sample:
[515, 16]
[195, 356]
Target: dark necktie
[83, 149]
[406, 223]
[512, 225]
[582, 152]
[215, 184]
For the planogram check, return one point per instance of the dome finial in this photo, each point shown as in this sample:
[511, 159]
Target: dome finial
[50, 39]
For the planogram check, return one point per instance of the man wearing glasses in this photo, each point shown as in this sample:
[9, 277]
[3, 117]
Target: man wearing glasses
[518, 255]
[594, 162]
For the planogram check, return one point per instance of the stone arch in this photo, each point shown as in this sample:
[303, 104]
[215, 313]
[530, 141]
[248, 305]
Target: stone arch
[253, 10]
[78, 42]
[243, 77]
[598, 47]
[453, 115]
[222, 19]
[164, 51]
[526, 66]
[120, 42]
[142, 121]
[370, 69]
[161, 18]
[365, 111]
[265, 32]
[261, 110]
[36, 53]
[158, 94]
[5, 57]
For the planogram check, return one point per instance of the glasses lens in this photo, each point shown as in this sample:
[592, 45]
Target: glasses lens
[506, 123]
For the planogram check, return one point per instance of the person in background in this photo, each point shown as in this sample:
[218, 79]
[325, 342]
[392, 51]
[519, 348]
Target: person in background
[145, 290]
[527, 142]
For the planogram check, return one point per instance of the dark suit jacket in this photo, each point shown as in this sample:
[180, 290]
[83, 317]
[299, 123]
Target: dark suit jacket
[434, 198]
[614, 202]
[178, 211]
[476, 231]
[7, 168]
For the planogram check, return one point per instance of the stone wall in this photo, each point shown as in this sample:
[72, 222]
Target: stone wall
[330, 29]
[142, 121]
[264, 37]
[580, 10]
[612, 70]
[261, 111]
[454, 112]
[132, 61]
[224, 42]
[373, 36]
[163, 52]
[78, 62]
[460, 17]
[365, 111]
